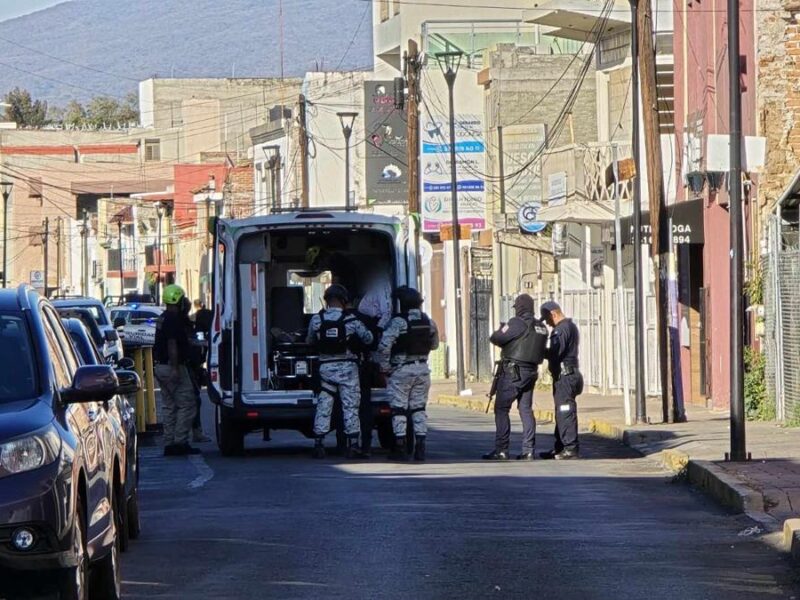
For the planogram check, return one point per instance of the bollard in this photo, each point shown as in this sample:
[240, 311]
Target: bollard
[152, 415]
[141, 416]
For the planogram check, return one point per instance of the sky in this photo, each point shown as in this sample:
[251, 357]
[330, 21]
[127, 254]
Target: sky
[14, 8]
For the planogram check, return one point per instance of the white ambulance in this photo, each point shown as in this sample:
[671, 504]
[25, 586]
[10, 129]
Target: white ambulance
[269, 277]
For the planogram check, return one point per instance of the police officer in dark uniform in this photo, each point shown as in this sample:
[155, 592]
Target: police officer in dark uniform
[523, 343]
[562, 358]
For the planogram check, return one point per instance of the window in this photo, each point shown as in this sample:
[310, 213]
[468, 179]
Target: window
[314, 285]
[18, 375]
[63, 340]
[60, 371]
[152, 150]
[35, 187]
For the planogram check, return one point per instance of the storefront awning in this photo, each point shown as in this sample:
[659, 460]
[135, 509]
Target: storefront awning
[582, 212]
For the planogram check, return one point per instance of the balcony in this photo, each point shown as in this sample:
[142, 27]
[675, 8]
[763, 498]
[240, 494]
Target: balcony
[167, 258]
[113, 266]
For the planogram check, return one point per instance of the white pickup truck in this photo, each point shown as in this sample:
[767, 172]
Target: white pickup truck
[269, 276]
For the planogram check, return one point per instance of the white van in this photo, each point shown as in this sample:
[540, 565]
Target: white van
[269, 277]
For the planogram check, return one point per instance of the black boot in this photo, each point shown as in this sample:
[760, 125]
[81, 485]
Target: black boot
[354, 448]
[398, 453]
[419, 449]
[319, 448]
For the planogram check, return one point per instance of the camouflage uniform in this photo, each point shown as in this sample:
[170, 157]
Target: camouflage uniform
[339, 375]
[410, 379]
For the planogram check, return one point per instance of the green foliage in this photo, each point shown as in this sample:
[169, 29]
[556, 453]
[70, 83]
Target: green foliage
[755, 286]
[758, 405]
[24, 110]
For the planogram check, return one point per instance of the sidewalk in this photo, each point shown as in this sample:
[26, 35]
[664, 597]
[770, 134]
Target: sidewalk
[767, 488]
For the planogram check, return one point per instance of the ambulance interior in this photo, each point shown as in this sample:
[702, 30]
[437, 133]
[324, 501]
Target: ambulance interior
[293, 268]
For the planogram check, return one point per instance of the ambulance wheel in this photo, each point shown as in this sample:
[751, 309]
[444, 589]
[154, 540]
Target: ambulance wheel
[230, 439]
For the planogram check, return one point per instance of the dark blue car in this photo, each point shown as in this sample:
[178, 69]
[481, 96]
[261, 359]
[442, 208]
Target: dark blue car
[60, 466]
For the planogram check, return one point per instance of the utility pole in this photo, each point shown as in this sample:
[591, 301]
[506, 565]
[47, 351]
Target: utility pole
[59, 258]
[45, 247]
[655, 176]
[412, 78]
[640, 363]
[121, 270]
[737, 418]
[304, 151]
[85, 255]
[501, 165]
[5, 188]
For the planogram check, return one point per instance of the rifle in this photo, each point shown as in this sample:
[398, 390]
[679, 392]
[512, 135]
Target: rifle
[498, 371]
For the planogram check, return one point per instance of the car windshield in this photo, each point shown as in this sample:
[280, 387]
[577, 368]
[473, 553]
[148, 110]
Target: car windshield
[18, 379]
[136, 316]
[97, 312]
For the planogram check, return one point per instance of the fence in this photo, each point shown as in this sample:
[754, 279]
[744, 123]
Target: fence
[781, 276]
[596, 315]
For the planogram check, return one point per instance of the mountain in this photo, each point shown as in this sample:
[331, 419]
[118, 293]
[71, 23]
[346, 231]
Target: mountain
[84, 48]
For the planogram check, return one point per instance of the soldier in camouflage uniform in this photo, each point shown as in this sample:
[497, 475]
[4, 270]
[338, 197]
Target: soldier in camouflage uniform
[334, 332]
[404, 349]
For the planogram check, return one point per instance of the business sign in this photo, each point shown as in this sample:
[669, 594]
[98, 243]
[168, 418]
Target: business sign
[526, 217]
[37, 279]
[435, 172]
[521, 145]
[386, 145]
[687, 224]
[557, 189]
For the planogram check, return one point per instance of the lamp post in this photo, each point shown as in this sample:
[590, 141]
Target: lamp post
[160, 210]
[347, 119]
[449, 63]
[6, 187]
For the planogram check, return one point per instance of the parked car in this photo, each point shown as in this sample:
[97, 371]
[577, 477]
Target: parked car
[110, 346]
[108, 341]
[123, 419]
[60, 468]
[136, 323]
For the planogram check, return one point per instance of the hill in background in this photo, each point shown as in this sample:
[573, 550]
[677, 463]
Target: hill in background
[122, 42]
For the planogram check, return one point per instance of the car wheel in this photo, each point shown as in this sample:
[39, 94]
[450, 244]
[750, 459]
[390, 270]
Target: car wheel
[106, 577]
[134, 524]
[74, 582]
[386, 435]
[230, 439]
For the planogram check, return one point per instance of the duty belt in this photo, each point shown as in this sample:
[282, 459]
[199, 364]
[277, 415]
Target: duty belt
[568, 370]
[419, 361]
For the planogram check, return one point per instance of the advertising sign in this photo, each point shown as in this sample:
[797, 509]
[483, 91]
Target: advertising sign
[435, 172]
[386, 144]
[526, 216]
[522, 144]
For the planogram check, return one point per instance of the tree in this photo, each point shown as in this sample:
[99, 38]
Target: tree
[105, 111]
[74, 115]
[24, 111]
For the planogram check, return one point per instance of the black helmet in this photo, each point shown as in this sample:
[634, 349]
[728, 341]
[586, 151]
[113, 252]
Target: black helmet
[337, 291]
[408, 297]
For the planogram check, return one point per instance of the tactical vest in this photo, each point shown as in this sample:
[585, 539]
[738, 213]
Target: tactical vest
[416, 341]
[528, 348]
[332, 336]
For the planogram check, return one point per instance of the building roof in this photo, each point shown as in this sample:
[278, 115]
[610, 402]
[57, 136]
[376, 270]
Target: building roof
[578, 19]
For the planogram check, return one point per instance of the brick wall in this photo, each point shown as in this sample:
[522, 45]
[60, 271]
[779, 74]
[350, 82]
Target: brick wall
[778, 95]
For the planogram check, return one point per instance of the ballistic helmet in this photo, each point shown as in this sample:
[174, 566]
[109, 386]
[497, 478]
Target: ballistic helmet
[336, 291]
[408, 297]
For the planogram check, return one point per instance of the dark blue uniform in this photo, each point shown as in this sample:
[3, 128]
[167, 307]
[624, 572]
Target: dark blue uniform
[515, 384]
[562, 358]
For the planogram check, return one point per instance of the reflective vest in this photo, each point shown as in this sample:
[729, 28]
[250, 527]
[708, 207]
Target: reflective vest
[528, 348]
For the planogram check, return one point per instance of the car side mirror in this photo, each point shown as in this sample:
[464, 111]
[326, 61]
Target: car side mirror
[119, 322]
[112, 336]
[92, 383]
[129, 382]
[126, 364]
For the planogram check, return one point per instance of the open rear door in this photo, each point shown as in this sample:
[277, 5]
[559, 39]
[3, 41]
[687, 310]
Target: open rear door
[221, 344]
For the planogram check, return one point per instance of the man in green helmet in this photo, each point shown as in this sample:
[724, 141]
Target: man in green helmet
[171, 354]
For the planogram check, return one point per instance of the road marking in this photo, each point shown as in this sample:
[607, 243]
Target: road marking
[204, 472]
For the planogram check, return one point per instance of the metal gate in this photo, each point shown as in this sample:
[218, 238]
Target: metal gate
[480, 311]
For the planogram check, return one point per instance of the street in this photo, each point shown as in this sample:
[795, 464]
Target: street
[276, 524]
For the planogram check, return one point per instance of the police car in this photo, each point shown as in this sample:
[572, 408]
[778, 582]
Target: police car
[136, 323]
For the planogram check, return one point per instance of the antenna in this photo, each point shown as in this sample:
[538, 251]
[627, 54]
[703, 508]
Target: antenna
[280, 25]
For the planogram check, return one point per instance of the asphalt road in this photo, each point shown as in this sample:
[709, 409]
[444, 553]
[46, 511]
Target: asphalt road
[276, 524]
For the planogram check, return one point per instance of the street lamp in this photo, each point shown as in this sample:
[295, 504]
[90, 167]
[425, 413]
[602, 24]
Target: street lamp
[5, 187]
[160, 210]
[347, 119]
[449, 62]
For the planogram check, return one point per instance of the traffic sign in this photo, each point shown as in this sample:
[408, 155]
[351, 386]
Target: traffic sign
[37, 279]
